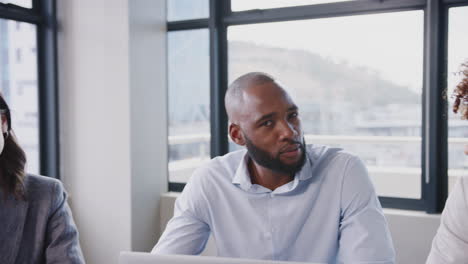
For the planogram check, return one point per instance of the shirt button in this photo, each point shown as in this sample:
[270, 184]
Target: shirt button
[272, 195]
[268, 236]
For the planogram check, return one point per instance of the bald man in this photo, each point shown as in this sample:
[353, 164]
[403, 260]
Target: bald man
[278, 199]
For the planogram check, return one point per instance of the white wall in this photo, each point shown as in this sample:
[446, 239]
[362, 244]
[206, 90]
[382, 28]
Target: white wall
[112, 121]
[412, 232]
[148, 95]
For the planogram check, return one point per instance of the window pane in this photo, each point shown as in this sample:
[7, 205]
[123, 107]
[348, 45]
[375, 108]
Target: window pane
[458, 129]
[18, 84]
[241, 5]
[357, 81]
[189, 102]
[22, 3]
[187, 9]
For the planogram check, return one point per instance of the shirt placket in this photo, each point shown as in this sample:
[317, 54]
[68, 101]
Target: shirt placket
[269, 228]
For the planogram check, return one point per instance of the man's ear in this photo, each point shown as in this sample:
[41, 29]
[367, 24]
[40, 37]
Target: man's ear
[236, 134]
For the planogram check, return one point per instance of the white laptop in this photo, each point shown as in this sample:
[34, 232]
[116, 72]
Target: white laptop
[147, 258]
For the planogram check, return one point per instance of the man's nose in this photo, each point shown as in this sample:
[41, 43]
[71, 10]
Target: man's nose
[287, 131]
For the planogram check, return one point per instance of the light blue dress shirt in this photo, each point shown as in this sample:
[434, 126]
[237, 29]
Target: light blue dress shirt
[329, 213]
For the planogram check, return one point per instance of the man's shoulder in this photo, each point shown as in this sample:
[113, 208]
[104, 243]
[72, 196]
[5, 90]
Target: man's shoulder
[229, 160]
[317, 152]
[220, 167]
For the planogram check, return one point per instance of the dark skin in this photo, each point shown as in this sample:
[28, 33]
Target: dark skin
[269, 118]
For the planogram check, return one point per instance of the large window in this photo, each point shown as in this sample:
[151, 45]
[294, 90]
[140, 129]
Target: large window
[27, 79]
[189, 101]
[368, 76]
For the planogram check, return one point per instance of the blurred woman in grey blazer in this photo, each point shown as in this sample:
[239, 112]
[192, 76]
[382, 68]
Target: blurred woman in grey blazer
[36, 224]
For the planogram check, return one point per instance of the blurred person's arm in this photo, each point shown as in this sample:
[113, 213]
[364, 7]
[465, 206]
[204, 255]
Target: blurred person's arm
[450, 245]
[62, 243]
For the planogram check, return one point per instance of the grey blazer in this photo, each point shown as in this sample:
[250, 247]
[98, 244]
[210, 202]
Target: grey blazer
[40, 229]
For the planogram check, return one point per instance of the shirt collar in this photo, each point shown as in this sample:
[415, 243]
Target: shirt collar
[306, 171]
[242, 176]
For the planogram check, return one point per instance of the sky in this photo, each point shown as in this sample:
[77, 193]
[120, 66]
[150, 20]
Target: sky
[240, 5]
[23, 3]
[457, 42]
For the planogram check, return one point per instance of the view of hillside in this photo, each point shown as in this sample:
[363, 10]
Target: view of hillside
[312, 76]
[332, 96]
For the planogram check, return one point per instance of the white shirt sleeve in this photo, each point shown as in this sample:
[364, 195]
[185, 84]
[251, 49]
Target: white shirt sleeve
[450, 245]
[364, 234]
[188, 231]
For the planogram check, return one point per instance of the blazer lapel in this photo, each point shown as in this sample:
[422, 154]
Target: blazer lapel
[12, 218]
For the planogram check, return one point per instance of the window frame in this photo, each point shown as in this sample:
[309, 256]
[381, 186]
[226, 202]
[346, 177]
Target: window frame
[43, 16]
[434, 163]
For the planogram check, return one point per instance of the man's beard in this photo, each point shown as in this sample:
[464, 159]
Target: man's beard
[264, 159]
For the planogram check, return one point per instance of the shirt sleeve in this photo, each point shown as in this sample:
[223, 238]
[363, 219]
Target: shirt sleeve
[450, 245]
[62, 244]
[188, 231]
[364, 234]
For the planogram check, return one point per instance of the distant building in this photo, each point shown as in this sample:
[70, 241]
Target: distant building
[18, 80]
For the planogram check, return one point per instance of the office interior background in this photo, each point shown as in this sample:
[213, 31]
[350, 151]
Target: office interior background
[123, 99]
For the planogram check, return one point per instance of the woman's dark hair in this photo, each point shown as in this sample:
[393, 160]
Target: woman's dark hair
[461, 93]
[12, 160]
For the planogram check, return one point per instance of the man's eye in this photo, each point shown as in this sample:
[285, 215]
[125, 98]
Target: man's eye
[267, 123]
[293, 115]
